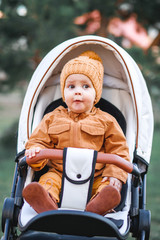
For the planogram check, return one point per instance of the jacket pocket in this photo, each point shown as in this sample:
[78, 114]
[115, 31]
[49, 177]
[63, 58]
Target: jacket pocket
[59, 135]
[92, 136]
[58, 129]
[93, 130]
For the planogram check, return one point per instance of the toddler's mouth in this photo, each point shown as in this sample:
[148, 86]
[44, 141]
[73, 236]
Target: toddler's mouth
[77, 100]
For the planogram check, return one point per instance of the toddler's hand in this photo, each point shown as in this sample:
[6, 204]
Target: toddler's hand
[32, 152]
[113, 182]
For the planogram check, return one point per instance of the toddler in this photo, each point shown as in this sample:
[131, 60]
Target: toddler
[80, 125]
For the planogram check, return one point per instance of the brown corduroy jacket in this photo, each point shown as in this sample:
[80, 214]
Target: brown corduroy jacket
[96, 130]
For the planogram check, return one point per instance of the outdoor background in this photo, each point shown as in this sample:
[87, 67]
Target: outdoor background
[30, 29]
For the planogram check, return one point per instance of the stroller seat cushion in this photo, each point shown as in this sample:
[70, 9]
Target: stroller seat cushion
[26, 214]
[121, 220]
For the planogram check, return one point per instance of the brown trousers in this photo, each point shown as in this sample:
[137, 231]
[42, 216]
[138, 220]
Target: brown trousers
[51, 181]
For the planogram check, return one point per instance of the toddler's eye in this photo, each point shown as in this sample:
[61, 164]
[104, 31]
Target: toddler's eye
[85, 86]
[71, 86]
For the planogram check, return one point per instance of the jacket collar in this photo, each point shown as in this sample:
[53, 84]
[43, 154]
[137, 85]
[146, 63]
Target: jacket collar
[78, 115]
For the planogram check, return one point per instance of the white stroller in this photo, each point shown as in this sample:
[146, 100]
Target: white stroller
[126, 97]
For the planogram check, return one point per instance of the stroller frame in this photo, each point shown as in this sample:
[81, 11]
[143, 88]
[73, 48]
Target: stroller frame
[129, 80]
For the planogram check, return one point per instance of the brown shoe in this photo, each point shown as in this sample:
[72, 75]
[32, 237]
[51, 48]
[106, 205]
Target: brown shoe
[107, 199]
[38, 198]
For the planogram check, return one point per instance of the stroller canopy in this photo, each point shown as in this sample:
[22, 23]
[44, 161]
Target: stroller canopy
[121, 72]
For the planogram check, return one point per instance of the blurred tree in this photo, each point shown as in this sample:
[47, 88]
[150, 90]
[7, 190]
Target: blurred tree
[30, 29]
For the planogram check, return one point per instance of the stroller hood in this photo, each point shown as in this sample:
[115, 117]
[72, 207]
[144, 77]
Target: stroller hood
[118, 65]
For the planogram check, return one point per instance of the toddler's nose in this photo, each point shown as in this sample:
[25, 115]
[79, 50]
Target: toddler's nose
[78, 91]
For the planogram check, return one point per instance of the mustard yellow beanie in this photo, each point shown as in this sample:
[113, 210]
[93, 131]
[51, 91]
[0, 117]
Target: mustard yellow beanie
[89, 64]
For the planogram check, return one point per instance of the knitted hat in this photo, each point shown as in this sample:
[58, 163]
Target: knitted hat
[89, 64]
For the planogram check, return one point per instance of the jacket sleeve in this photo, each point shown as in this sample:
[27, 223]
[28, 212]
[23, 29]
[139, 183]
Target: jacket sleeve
[40, 138]
[115, 143]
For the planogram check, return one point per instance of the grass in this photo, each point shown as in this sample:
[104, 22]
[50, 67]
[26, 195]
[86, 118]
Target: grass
[10, 105]
[153, 190]
[7, 165]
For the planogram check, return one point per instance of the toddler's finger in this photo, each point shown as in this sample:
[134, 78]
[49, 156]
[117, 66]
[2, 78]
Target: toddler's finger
[27, 153]
[105, 179]
[118, 185]
[33, 152]
[111, 181]
[30, 154]
[37, 150]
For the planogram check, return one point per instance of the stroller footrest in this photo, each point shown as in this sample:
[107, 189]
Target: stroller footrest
[77, 223]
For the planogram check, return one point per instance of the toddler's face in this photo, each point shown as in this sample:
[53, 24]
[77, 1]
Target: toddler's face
[79, 93]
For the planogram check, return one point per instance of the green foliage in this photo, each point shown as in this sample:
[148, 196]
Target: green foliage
[9, 137]
[26, 39]
[107, 8]
[46, 24]
[153, 196]
[148, 65]
[147, 11]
